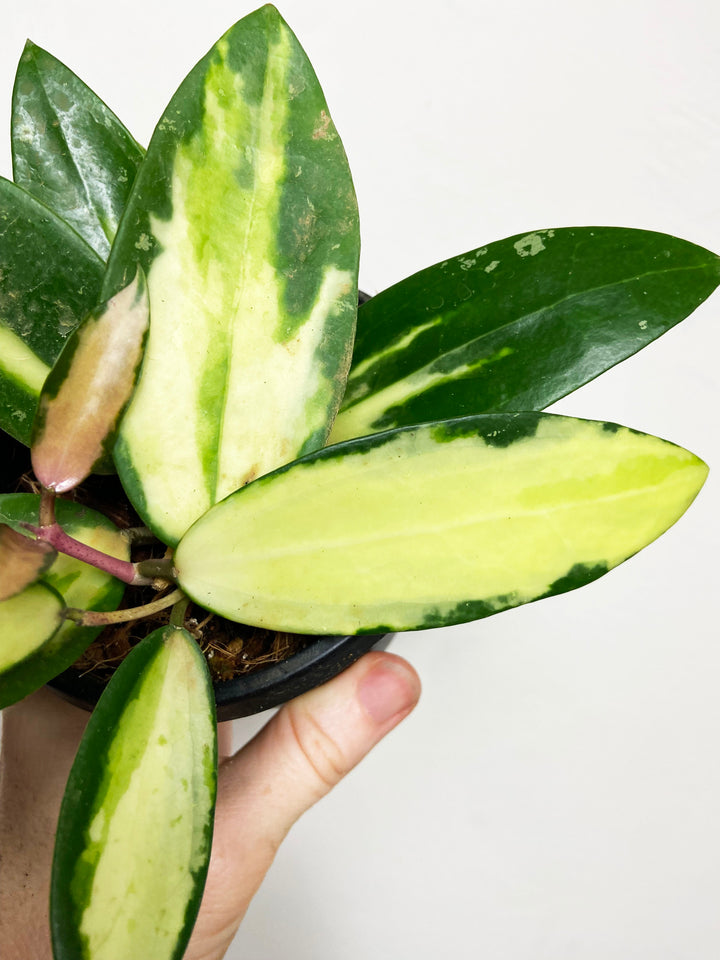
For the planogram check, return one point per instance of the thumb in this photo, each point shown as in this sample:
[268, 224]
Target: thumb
[302, 753]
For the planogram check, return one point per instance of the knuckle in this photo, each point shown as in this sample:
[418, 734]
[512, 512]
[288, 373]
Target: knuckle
[324, 758]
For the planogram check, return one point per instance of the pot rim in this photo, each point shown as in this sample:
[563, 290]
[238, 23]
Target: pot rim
[263, 689]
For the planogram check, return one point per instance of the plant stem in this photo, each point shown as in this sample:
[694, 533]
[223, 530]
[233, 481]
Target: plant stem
[161, 569]
[98, 618]
[177, 617]
[139, 535]
[122, 569]
[47, 507]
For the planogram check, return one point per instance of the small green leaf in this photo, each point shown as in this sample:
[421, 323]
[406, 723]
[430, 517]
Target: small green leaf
[135, 828]
[79, 585]
[517, 324]
[88, 389]
[49, 281]
[28, 620]
[69, 150]
[244, 218]
[439, 524]
[22, 561]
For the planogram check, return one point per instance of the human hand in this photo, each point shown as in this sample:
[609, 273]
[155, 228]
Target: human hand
[298, 757]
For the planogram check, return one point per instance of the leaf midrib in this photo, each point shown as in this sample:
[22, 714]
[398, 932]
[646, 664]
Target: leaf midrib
[428, 531]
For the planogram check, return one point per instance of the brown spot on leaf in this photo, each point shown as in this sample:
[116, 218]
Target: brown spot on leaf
[323, 130]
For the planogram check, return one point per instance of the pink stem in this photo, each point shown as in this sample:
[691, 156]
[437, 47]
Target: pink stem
[55, 535]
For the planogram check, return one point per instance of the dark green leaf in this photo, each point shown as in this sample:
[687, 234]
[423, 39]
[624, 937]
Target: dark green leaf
[69, 150]
[517, 324]
[49, 280]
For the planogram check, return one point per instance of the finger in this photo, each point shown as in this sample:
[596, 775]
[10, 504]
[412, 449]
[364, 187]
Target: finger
[303, 752]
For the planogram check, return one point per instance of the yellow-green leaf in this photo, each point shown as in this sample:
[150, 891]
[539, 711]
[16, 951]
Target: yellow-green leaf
[28, 620]
[243, 216]
[135, 827]
[437, 524]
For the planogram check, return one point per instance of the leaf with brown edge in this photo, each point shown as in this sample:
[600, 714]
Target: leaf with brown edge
[22, 561]
[88, 389]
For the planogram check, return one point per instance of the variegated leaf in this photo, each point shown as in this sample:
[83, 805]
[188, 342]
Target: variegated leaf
[69, 150]
[243, 216]
[88, 389]
[49, 280]
[28, 620]
[438, 524]
[517, 324]
[22, 561]
[133, 838]
[78, 584]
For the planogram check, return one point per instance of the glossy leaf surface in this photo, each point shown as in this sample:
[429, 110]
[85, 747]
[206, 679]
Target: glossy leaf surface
[22, 561]
[442, 524]
[244, 218]
[88, 389]
[27, 621]
[79, 585]
[517, 324]
[49, 281]
[135, 827]
[69, 150]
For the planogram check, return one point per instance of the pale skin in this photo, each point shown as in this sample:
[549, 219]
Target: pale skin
[297, 758]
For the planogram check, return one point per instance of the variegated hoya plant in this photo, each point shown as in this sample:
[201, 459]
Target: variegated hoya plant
[186, 316]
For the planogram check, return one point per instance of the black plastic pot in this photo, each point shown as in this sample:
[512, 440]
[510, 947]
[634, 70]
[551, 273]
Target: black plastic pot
[265, 688]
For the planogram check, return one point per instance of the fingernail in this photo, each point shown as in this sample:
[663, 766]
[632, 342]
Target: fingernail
[389, 689]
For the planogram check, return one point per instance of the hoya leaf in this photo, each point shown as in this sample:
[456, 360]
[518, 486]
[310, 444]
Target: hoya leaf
[49, 280]
[517, 324]
[88, 389]
[135, 827]
[244, 218]
[439, 524]
[69, 150]
[22, 561]
[79, 585]
[27, 621]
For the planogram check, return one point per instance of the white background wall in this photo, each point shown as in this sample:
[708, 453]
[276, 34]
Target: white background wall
[555, 796]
